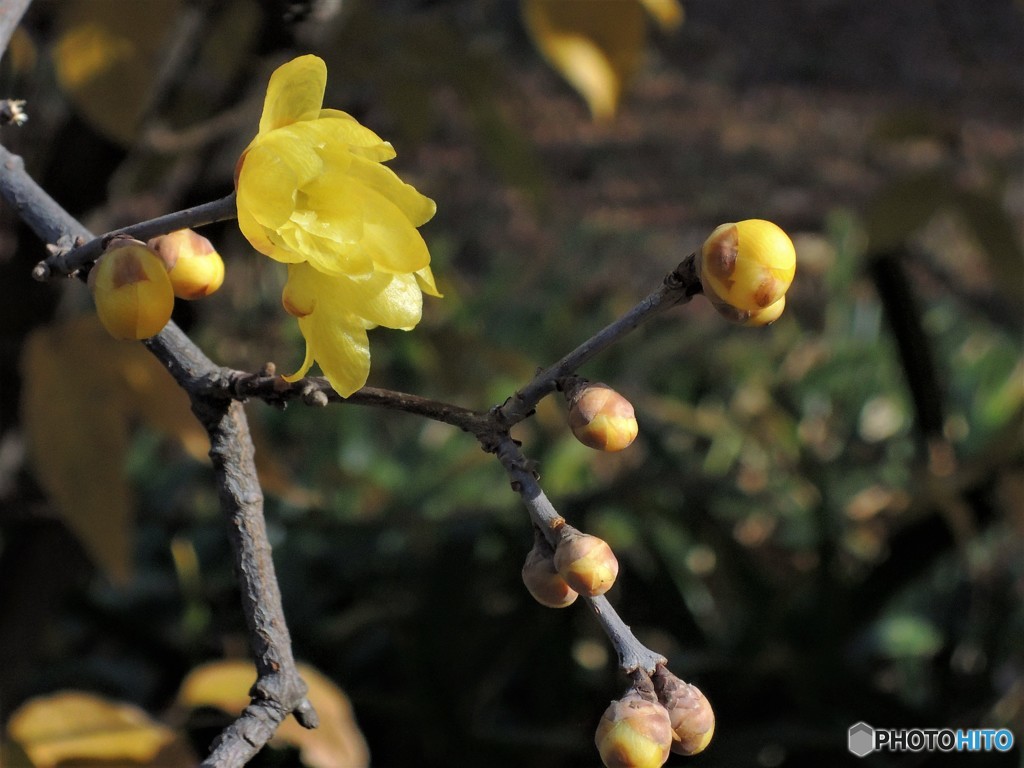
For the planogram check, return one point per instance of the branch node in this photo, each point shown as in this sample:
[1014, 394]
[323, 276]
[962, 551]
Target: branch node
[314, 397]
[306, 715]
[684, 277]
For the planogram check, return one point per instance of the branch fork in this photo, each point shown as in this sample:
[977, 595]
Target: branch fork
[217, 395]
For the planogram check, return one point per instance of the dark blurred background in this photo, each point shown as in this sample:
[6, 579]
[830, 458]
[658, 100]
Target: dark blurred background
[821, 521]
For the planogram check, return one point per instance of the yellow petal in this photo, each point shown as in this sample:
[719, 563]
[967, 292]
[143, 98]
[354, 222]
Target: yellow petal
[275, 168]
[418, 208]
[334, 338]
[307, 362]
[253, 231]
[342, 351]
[426, 280]
[393, 301]
[295, 92]
[337, 206]
[326, 139]
[299, 294]
[393, 243]
[361, 141]
[328, 225]
[266, 187]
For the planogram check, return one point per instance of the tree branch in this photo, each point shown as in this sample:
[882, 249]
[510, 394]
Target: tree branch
[11, 12]
[680, 285]
[279, 690]
[66, 261]
[633, 654]
[215, 392]
[317, 391]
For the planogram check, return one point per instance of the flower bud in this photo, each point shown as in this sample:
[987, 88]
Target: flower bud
[131, 289]
[748, 265]
[634, 733]
[542, 578]
[600, 417]
[193, 264]
[690, 713]
[587, 563]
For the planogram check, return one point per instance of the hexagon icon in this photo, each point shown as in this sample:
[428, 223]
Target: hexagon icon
[860, 739]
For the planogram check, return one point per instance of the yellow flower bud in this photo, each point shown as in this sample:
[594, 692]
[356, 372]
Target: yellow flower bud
[543, 580]
[601, 418]
[193, 264]
[634, 733]
[131, 289]
[748, 265]
[690, 713]
[587, 563]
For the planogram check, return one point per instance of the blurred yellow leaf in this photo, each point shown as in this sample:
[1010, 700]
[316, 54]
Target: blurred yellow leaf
[107, 56]
[596, 45]
[72, 727]
[336, 743]
[83, 390]
[667, 13]
[77, 433]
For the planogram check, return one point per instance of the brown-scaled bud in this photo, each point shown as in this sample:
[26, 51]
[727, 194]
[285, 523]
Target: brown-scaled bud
[193, 264]
[634, 732]
[132, 292]
[542, 578]
[600, 417]
[586, 562]
[748, 265]
[690, 713]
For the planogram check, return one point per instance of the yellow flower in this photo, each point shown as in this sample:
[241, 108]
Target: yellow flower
[312, 193]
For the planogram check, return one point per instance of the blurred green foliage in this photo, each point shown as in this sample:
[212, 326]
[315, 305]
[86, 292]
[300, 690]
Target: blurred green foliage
[789, 537]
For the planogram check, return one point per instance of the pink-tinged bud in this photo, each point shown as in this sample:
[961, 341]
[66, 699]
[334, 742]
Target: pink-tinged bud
[600, 417]
[748, 265]
[132, 292]
[193, 264]
[587, 563]
[634, 732]
[690, 713]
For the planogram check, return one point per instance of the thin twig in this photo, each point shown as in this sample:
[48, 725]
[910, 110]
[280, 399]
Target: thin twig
[317, 391]
[680, 285]
[633, 654]
[66, 262]
[279, 690]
